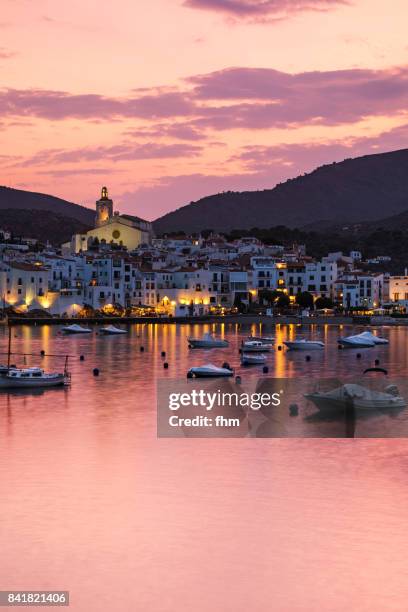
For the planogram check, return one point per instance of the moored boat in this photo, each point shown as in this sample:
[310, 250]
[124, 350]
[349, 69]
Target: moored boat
[304, 345]
[253, 359]
[356, 396]
[209, 371]
[263, 339]
[76, 329]
[255, 346]
[112, 330]
[24, 378]
[356, 341]
[207, 341]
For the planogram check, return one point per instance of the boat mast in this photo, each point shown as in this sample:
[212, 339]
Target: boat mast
[9, 349]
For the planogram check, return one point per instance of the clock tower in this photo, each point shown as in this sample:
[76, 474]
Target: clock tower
[104, 208]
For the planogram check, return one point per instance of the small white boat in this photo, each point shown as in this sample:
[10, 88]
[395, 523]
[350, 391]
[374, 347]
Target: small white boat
[25, 378]
[253, 359]
[207, 341]
[112, 330]
[357, 341]
[76, 329]
[210, 371]
[263, 339]
[255, 346]
[356, 396]
[376, 339]
[304, 345]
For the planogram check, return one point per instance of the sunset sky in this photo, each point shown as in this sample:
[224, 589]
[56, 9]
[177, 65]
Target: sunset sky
[169, 100]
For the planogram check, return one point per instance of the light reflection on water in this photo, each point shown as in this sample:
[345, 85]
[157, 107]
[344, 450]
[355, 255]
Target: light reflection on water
[93, 502]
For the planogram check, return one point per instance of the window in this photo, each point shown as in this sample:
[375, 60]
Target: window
[20, 281]
[396, 297]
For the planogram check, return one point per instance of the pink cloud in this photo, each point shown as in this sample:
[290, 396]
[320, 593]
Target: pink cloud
[6, 54]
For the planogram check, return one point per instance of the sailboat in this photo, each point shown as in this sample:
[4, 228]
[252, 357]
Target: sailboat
[12, 377]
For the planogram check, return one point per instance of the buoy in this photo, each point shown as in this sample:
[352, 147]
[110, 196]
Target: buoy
[165, 365]
[42, 353]
[141, 349]
[279, 348]
[82, 358]
[265, 369]
[96, 371]
[358, 355]
[238, 380]
[377, 362]
[189, 374]
[163, 353]
[293, 410]
[308, 357]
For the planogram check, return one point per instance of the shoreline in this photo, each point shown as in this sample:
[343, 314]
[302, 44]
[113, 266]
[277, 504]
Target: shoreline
[233, 319]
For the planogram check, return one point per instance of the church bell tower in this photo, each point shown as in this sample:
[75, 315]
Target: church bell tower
[104, 208]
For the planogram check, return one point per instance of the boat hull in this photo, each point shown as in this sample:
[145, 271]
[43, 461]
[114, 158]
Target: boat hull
[351, 344]
[207, 344]
[7, 382]
[303, 346]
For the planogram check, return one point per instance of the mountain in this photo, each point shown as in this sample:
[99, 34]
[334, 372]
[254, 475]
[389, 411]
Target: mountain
[354, 190]
[51, 226]
[28, 200]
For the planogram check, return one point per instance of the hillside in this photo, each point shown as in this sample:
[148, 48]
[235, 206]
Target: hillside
[50, 226]
[28, 200]
[354, 190]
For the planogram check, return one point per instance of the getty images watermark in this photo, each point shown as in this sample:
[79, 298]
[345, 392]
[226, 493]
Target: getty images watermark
[279, 408]
[216, 408]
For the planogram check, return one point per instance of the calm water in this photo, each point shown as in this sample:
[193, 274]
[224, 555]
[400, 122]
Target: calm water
[93, 502]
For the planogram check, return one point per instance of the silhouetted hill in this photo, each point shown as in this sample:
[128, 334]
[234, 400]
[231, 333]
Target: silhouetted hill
[50, 226]
[354, 190]
[29, 200]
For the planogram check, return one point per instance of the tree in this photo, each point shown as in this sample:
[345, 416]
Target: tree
[283, 300]
[305, 299]
[323, 302]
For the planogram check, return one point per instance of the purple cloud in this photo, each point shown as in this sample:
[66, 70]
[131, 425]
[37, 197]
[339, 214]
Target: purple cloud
[246, 98]
[260, 9]
[179, 131]
[265, 98]
[57, 105]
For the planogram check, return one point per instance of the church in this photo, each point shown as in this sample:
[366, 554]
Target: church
[111, 227]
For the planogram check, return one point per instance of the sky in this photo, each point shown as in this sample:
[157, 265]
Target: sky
[167, 101]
